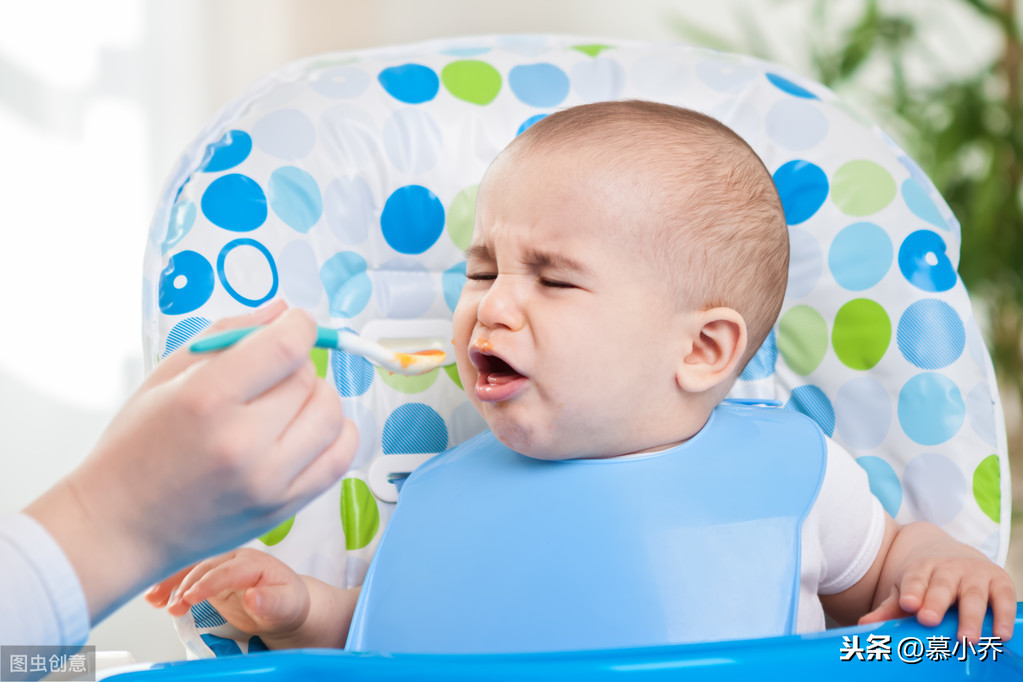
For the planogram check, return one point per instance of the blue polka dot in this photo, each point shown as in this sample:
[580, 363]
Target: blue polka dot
[414, 428]
[227, 152]
[539, 85]
[884, 484]
[413, 140]
[795, 124]
[451, 282]
[863, 413]
[931, 408]
[921, 205]
[724, 76]
[221, 646]
[528, 123]
[785, 85]
[410, 83]
[404, 289]
[412, 219]
[340, 82]
[353, 374]
[923, 262]
[981, 410]
[186, 283]
[350, 209]
[860, 256]
[761, 365]
[183, 331]
[806, 263]
[598, 80]
[931, 335]
[347, 284]
[250, 272]
[935, 488]
[295, 198]
[286, 134]
[296, 263]
[234, 202]
[465, 51]
[811, 401]
[182, 217]
[803, 187]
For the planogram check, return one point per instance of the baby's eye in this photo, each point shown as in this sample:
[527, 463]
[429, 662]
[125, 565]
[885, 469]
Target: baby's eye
[555, 284]
[481, 276]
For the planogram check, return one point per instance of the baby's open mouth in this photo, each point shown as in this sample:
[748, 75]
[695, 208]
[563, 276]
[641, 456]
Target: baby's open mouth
[497, 379]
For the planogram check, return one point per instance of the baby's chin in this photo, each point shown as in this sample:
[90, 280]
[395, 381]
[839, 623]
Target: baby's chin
[526, 441]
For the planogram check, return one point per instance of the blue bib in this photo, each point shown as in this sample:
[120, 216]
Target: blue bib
[492, 551]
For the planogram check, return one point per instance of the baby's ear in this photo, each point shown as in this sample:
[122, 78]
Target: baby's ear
[718, 343]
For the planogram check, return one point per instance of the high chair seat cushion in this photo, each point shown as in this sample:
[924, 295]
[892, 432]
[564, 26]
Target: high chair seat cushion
[346, 184]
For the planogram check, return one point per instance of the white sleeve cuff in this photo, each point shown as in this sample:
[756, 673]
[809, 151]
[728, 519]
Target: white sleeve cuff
[42, 602]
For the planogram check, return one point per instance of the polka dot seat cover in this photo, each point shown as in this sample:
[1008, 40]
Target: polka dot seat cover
[346, 184]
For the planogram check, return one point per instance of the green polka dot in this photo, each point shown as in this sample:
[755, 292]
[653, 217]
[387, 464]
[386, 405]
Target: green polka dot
[406, 384]
[592, 49]
[320, 361]
[461, 217]
[802, 339]
[452, 372]
[861, 334]
[360, 517]
[277, 534]
[472, 80]
[987, 487]
[861, 188]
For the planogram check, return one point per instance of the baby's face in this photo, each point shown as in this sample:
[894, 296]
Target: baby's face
[563, 333]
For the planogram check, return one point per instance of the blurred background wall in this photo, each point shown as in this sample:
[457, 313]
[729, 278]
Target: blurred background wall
[97, 100]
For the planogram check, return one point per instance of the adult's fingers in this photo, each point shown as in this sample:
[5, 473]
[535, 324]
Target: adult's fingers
[327, 468]
[262, 359]
[272, 413]
[182, 358]
[314, 429]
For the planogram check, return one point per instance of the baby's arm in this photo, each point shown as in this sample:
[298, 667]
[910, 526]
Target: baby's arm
[921, 570]
[262, 596]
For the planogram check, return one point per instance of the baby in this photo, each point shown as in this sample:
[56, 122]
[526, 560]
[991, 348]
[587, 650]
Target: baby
[628, 260]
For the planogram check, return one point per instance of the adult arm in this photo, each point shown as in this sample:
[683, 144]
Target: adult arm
[211, 451]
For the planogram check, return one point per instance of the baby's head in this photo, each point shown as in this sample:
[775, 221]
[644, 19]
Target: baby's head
[628, 259]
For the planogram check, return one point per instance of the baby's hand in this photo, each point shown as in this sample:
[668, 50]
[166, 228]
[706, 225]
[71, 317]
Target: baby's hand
[252, 590]
[929, 585]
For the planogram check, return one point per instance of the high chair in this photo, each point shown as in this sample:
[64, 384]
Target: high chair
[346, 184]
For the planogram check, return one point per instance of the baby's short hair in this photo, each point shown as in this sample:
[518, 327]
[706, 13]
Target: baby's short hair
[710, 190]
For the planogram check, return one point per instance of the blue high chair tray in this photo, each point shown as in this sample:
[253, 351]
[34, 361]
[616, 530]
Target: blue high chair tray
[353, 179]
[895, 650]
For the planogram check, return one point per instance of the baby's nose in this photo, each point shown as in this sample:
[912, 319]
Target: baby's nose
[501, 305]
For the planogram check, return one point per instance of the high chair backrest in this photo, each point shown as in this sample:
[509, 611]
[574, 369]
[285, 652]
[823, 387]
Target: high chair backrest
[346, 184]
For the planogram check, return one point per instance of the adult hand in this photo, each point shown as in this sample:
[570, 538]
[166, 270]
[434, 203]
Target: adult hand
[212, 450]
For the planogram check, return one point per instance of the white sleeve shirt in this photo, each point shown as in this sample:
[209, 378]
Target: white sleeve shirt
[841, 536]
[41, 598]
